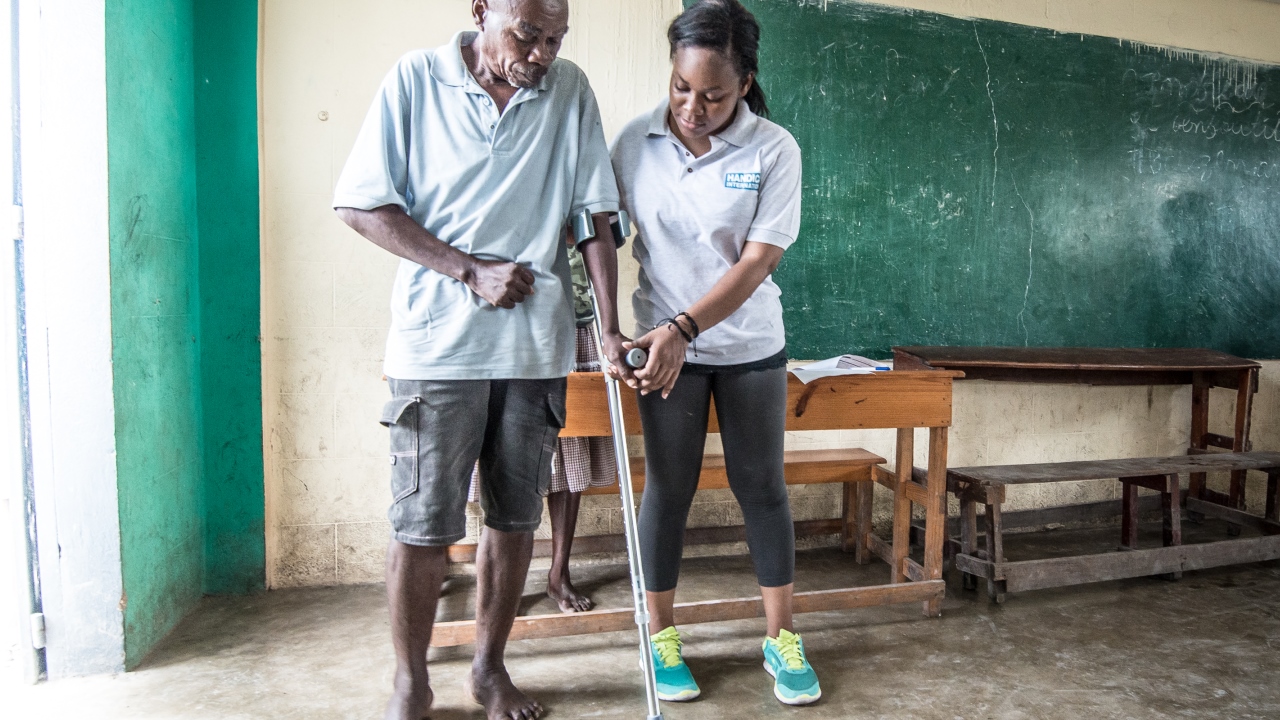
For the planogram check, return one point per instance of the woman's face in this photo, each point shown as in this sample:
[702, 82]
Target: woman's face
[705, 89]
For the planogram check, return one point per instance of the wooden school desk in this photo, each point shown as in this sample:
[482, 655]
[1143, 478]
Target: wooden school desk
[1201, 369]
[899, 400]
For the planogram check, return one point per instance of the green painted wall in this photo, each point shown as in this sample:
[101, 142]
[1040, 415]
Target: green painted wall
[226, 103]
[183, 184]
[155, 313]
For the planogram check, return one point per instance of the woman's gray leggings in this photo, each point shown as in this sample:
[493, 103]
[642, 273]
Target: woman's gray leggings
[751, 408]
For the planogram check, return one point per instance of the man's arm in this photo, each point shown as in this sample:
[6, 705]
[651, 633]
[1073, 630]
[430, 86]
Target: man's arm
[502, 284]
[600, 254]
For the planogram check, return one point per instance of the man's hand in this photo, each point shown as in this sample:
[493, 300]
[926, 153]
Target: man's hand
[615, 349]
[502, 284]
[666, 347]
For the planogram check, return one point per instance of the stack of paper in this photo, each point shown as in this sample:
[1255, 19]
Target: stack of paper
[843, 365]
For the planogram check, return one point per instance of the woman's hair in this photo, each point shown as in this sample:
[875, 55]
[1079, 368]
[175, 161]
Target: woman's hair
[726, 26]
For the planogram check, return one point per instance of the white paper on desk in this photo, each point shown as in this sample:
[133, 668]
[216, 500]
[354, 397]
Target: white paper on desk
[829, 368]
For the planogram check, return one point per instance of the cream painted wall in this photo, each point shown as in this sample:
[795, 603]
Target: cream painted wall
[326, 290]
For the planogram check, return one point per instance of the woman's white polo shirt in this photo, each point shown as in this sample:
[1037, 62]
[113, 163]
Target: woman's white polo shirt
[694, 215]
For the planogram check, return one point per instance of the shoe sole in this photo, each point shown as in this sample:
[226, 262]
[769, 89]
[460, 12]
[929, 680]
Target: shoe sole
[682, 696]
[802, 699]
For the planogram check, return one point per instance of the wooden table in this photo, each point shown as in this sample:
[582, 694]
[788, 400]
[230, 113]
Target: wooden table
[899, 400]
[1199, 368]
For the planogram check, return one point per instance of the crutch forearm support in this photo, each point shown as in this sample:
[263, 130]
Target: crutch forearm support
[584, 226]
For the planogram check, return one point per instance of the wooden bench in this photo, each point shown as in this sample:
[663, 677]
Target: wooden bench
[986, 486]
[900, 400]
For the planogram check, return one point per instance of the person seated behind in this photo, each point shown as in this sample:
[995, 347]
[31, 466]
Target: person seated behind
[579, 463]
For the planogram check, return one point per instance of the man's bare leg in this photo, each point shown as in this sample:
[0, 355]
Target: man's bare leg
[563, 508]
[414, 577]
[502, 564]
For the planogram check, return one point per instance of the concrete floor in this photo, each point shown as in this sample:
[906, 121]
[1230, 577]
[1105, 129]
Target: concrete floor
[1205, 647]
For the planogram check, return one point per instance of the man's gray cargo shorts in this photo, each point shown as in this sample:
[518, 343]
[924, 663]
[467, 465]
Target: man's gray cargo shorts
[439, 428]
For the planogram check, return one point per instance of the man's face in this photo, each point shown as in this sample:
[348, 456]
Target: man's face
[522, 37]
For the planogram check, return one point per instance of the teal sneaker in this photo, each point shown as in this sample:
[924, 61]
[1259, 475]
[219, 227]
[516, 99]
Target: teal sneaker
[794, 681]
[675, 682]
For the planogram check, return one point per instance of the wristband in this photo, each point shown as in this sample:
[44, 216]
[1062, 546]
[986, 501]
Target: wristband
[671, 323]
[692, 323]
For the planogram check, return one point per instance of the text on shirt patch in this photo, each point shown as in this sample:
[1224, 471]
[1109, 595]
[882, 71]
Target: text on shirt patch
[742, 181]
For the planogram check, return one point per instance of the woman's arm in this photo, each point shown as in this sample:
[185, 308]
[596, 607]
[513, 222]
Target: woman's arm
[666, 346]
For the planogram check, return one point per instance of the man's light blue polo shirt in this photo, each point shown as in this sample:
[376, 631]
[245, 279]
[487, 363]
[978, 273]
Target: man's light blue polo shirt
[497, 187]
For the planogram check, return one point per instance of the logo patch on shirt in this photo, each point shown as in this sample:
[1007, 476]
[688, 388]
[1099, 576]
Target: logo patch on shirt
[742, 181]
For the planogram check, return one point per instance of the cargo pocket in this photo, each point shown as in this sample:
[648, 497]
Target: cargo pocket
[555, 423]
[404, 445]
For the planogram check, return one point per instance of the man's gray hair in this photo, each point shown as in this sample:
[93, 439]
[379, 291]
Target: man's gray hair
[512, 5]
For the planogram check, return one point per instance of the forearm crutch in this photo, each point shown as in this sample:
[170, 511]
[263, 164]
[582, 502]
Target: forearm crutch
[584, 229]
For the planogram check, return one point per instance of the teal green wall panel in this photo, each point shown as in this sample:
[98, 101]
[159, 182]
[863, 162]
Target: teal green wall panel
[226, 102]
[184, 250]
[154, 258]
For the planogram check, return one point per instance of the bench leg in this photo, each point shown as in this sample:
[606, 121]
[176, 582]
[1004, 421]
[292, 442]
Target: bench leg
[935, 514]
[864, 492]
[1199, 428]
[1273, 496]
[905, 459]
[995, 551]
[1172, 517]
[1129, 517]
[968, 537]
[849, 518]
[1244, 410]
[1195, 489]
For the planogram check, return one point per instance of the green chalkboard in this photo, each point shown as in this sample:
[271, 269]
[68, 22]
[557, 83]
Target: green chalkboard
[981, 183]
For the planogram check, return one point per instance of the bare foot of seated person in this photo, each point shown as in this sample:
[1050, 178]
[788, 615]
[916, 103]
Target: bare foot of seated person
[563, 509]
[565, 595]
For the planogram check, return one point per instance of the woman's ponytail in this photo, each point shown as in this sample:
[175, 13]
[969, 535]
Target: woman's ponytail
[727, 26]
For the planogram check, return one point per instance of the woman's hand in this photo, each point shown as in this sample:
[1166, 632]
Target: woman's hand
[666, 348]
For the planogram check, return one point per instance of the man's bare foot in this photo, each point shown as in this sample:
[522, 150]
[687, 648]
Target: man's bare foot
[409, 705]
[567, 596]
[501, 699]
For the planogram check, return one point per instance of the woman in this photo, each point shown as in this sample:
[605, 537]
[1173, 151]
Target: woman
[714, 190]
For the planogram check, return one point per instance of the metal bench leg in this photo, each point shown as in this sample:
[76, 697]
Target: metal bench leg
[995, 551]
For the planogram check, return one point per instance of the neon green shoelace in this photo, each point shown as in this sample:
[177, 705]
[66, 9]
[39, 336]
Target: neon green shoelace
[668, 646]
[788, 646]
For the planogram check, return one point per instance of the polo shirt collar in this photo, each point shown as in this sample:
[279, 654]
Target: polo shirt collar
[738, 133]
[450, 69]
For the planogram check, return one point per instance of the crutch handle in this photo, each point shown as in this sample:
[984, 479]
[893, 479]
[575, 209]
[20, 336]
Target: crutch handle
[636, 358]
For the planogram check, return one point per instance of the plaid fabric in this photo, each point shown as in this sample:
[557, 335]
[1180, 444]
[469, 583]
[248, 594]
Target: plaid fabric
[580, 462]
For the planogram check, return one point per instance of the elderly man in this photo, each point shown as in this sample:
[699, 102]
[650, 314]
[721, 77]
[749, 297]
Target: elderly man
[471, 162]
